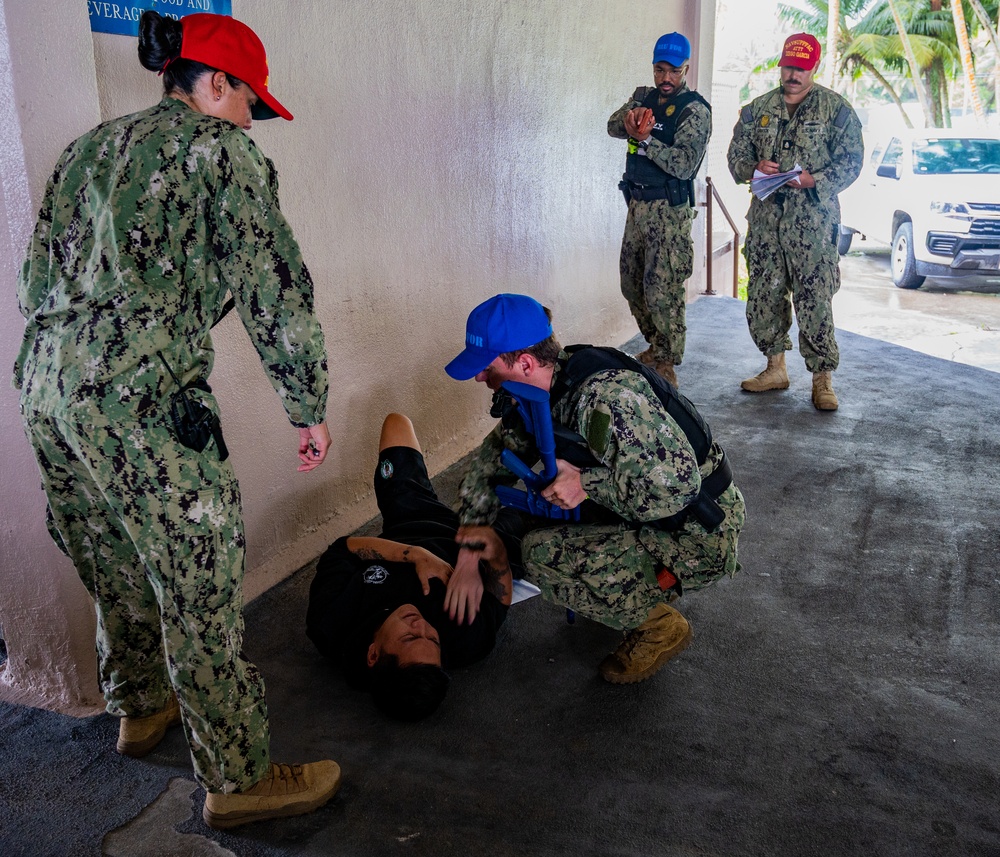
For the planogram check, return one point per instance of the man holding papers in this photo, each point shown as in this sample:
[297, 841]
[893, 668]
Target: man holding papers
[791, 245]
[764, 184]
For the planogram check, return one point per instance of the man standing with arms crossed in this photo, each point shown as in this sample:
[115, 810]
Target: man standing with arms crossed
[667, 126]
[791, 245]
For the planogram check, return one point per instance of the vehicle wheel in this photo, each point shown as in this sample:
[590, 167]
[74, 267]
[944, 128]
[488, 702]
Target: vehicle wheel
[844, 240]
[904, 268]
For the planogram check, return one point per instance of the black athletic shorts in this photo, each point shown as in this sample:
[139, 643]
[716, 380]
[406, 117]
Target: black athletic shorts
[413, 514]
[407, 500]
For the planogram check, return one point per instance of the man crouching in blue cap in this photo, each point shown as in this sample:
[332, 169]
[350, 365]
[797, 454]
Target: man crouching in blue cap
[659, 512]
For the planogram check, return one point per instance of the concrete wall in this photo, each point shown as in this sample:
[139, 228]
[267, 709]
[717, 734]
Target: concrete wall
[45, 614]
[442, 151]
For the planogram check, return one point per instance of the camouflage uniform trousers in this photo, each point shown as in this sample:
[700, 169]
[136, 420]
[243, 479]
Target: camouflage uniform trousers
[657, 258]
[156, 534]
[790, 264]
[604, 572]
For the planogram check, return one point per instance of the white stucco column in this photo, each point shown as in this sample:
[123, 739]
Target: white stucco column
[46, 616]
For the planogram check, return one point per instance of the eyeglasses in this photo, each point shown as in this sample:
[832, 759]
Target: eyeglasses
[676, 73]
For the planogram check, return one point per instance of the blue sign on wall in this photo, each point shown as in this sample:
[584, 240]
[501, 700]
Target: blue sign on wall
[122, 17]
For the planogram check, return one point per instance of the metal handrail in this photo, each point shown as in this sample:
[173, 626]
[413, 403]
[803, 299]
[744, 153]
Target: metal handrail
[711, 193]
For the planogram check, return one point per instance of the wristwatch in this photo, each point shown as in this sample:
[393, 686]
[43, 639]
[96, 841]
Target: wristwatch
[645, 144]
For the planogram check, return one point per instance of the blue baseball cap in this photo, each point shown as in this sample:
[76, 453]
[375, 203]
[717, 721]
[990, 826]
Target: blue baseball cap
[672, 48]
[501, 324]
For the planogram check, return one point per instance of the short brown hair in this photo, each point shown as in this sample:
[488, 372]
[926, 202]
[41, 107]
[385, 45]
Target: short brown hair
[545, 352]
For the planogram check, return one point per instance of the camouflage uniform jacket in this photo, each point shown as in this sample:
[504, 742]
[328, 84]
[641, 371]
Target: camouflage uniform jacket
[146, 223]
[829, 148]
[694, 127]
[650, 470]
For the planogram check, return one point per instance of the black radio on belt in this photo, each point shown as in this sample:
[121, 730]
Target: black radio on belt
[193, 422]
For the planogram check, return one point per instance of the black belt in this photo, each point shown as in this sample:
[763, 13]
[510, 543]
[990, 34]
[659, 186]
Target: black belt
[647, 194]
[718, 480]
[675, 192]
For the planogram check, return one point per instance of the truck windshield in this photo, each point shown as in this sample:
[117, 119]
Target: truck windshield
[949, 156]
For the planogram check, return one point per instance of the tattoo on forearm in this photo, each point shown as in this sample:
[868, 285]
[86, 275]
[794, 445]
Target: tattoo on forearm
[373, 553]
[493, 579]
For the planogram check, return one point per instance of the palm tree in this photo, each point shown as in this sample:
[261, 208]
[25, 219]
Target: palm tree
[911, 60]
[891, 39]
[826, 19]
[832, 34]
[962, 32]
[923, 39]
[864, 56]
[984, 21]
[987, 24]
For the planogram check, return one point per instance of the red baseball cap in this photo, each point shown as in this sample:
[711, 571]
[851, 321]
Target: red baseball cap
[801, 51]
[231, 46]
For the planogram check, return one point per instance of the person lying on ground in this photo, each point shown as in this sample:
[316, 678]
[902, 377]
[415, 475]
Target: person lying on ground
[376, 604]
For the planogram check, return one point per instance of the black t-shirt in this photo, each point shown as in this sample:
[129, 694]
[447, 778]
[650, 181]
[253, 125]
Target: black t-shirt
[351, 597]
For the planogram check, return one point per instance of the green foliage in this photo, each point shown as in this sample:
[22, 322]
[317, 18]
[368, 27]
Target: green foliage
[871, 50]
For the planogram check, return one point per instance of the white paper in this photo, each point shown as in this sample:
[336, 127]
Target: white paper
[523, 591]
[763, 185]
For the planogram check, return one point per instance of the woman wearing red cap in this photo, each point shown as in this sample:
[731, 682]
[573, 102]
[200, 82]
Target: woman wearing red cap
[147, 222]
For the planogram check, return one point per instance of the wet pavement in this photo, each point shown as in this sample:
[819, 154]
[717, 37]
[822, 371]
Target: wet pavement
[957, 321]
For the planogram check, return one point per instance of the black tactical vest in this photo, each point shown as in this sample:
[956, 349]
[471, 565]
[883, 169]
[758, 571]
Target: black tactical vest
[587, 360]
[639, 170]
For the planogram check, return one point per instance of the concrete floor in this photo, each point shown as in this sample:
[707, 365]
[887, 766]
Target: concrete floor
[840, 698]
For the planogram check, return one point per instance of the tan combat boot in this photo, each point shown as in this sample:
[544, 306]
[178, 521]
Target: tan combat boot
[643, 651]
[138, 736]
[665, 369]
[774, 377]
[824, 399]
[286, 790]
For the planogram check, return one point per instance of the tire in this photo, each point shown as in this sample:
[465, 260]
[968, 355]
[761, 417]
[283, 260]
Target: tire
[904, 267]
[844, 239]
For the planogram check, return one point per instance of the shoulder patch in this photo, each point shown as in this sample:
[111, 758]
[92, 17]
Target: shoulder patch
[842, 116]
[746, 115]
[599, 432]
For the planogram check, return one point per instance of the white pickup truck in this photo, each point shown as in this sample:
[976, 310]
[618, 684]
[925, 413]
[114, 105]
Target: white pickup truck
[934, 196]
